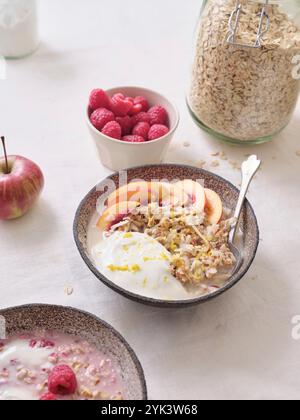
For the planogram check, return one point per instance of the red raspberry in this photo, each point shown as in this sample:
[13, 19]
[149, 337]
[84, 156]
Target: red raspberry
[126, 124]
[158, 115]
[120, 105]
[140, 117]
[133, 139]
[141, 129]
[140, 100]
[136, 109]
[129, 98]
[46, 344]
[32, 343]
[101, 117]
[48, 397]
[157, 131]
[98, 99]
[113, 130]
[62, 381]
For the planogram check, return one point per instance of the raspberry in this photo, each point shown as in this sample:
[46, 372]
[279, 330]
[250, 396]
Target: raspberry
[140, 117]
[129, 98]
[141, 129]
[48, 397]
[140, 100]
[113, 130]
[136, 109]
[126, 124]
[46, 344]
[98, 99]
[32, 343]
[101, 117]
[62, 381]
[158, 115]
[120, 105]
[134, 139]
[157, 131]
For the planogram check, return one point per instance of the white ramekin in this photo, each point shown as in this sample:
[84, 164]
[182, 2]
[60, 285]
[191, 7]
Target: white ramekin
[117, 154]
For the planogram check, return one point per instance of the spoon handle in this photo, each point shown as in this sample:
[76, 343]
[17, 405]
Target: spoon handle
[249, 169]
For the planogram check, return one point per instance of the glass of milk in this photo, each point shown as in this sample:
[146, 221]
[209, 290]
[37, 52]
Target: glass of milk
[18, 28]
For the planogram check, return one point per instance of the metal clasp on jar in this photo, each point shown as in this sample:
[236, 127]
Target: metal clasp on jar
[262, 28]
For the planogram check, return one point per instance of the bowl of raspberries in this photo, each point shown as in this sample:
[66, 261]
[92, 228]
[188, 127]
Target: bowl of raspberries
[131, 126]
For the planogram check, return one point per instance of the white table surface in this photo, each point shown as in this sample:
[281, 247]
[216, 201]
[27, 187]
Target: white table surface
[238, 346]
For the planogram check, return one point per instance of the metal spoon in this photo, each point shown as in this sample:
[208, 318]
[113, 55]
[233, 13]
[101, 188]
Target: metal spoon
[249, 169]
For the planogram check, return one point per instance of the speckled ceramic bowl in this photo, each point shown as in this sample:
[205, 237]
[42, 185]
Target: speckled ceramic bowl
[84, 325]
[229, 195]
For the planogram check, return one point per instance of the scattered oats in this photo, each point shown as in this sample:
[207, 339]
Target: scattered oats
[69, 290]
[201, 163]
[186, 144]
[223, 156]
[235, 165]
[215, 164]
[222, 93]
[297, 153]
[215, 154]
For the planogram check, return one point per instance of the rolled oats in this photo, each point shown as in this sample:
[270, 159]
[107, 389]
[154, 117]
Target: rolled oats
[244, 93]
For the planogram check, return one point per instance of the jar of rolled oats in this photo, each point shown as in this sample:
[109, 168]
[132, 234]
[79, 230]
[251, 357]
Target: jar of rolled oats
[246, 70]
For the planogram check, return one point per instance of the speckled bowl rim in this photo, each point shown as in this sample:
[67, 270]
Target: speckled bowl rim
[158, 302]
[136, 362]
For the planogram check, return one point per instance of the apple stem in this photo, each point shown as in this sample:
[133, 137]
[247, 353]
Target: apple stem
[5, 154]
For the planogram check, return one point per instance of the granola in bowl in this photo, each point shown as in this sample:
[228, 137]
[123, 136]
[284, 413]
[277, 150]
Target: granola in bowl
[199, 250]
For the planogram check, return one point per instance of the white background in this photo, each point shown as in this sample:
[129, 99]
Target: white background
[238, 346]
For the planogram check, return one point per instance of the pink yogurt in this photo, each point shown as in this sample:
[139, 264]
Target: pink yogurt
[26, 361]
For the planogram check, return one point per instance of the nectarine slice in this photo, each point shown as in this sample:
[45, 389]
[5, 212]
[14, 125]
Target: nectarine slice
[174, 195]
[115, 214]
[213, 207]
[195, 192]
[134, 191]
[143, 193]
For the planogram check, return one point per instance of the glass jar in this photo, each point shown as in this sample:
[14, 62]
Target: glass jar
[245, 76]
[18, 28]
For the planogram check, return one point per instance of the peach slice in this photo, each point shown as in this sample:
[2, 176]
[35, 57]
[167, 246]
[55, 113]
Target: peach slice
[195, 192]
[115, 214]
[174, 195]
[135, 191]
[214, 207]
[143, 193]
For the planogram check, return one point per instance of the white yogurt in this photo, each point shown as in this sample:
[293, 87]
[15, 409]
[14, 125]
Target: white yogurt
[20, 350]
[139, 264]
[18, 28]
[17, 393]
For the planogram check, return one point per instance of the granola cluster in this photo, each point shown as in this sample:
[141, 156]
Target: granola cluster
[199, 251]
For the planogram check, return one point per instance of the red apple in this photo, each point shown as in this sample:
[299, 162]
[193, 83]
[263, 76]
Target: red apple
[21, 182]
